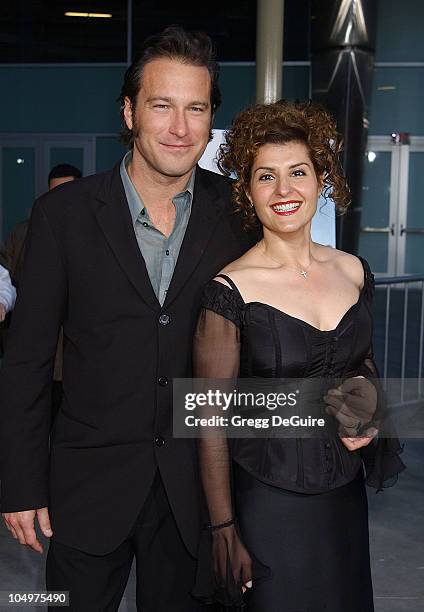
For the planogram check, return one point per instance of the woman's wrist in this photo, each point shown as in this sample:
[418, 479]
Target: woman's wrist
[222, 525]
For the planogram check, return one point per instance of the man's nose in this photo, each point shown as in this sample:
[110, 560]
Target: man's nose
[178, 125]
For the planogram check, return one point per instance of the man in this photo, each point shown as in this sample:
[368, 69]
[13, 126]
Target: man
[119, 260]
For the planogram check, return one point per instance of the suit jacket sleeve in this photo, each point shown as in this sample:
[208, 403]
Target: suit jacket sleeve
[27, 370]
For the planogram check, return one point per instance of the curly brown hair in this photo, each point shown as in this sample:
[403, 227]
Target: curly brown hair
[279, 123]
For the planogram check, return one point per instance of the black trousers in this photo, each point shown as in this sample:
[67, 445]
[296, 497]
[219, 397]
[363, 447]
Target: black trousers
[165, 571]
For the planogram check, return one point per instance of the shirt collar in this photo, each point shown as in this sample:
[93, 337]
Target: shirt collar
[135, 203]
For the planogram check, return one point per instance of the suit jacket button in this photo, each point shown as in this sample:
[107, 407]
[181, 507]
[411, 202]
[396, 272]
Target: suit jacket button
[159, 441]
[164, 319]
[163, 381]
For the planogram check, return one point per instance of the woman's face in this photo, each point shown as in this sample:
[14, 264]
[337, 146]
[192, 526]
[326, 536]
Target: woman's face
[284, 187]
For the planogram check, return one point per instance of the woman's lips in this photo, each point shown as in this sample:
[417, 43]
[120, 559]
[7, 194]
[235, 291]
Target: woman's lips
[284, 209]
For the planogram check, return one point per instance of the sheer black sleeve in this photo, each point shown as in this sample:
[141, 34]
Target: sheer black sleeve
[381, 457]
[224, 564]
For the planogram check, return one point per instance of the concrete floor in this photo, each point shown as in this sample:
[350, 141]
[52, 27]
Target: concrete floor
[397, 546]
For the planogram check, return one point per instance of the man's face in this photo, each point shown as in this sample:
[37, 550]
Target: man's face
[172, 118]
[55, 182]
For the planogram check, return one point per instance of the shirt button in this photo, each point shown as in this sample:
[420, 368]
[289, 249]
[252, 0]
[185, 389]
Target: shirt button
[327, 445]
[145, 224]
[163, 381]
[143, 212]
[335, 339]
[164, 319]
[167, 252]
[159, 441]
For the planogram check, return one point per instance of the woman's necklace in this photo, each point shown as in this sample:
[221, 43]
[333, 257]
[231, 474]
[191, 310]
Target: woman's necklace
[302, 271]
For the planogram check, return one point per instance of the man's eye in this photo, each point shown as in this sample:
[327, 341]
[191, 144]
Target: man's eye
[161, 106]
[197, 109]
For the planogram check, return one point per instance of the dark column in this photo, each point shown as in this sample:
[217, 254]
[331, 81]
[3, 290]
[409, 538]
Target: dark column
[343, 49]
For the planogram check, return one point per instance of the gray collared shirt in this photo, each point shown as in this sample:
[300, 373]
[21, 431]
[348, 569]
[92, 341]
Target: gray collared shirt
[159, 252]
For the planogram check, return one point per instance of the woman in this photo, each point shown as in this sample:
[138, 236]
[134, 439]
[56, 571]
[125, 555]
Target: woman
[290, 308]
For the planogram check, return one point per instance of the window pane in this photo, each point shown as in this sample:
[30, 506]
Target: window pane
[39, 31]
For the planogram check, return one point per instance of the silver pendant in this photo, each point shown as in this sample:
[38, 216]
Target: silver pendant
[304, 273]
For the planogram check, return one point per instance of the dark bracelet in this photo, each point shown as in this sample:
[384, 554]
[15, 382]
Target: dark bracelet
[221, 525]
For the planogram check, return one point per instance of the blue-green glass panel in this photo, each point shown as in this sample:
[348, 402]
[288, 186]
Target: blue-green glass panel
[85, 97]
[396, 101]
[414, 249]
[108, 152]
[18, 189]
[63, 99]
[238, 85]
[374, 248]
[375, 208]
[67, 155]
[400, 31]
[376, 189]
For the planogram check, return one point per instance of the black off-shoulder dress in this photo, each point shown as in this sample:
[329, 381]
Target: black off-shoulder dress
[301, 503]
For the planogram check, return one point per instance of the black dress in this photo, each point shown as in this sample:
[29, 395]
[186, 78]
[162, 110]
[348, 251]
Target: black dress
[301, 504]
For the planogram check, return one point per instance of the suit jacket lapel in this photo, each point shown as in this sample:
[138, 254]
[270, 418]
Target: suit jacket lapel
[205, 213]
[113, 216]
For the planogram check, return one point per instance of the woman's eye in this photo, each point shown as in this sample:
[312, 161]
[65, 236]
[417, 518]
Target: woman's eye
[266, 177]
[299, 173]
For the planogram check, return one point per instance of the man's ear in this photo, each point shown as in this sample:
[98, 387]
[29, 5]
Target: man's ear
[128, 113]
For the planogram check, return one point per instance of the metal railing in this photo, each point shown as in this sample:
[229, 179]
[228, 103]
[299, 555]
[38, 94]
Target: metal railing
[403, 322]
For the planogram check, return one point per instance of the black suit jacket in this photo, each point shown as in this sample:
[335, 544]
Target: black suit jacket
[83, 270]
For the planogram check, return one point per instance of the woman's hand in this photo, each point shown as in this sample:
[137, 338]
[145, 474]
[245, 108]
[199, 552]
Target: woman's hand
[353, 404]
[228, 548]
[353, 444]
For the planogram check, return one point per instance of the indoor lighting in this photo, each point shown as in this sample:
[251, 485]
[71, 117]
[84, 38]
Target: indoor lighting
[386, 87]
[371, 156]
[94, 15]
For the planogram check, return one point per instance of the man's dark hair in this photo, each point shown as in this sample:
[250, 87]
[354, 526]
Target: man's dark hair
[63, 170]
[174, 42]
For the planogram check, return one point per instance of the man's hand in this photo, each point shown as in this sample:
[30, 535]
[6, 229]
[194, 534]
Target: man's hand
[2, 312]
[21, 526]
[353, 404]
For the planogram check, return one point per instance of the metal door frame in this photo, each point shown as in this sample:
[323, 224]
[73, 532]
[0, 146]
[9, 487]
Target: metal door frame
[416, 146]
[397, 229]
[386, 145]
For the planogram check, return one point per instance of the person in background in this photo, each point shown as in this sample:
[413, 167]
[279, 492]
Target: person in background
[7, 293]
[12, 250]
[12, 254]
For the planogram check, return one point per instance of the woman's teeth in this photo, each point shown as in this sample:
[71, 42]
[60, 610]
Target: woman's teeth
[285, 207]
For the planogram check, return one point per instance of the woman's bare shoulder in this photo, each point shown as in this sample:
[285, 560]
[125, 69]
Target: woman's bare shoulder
[239, 268]
[348, 264]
